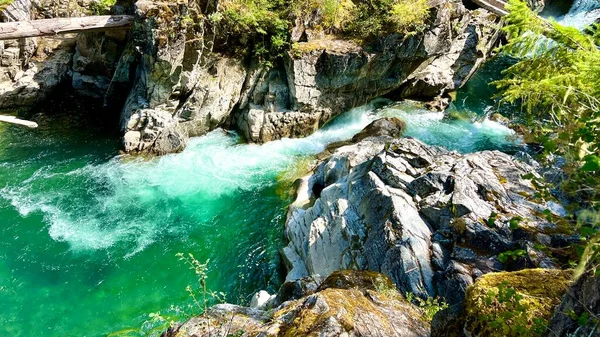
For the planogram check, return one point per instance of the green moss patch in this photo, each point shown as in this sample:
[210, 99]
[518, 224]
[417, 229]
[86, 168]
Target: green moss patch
[514, 303]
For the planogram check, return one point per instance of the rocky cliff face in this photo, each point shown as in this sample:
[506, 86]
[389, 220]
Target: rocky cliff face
[169, 83]
[32, 69]
[430, 219]
[182, 88]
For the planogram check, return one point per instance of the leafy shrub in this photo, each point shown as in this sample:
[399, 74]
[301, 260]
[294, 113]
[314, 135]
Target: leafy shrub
[256, 26]
[429, 306]
[335, 13]
[408, 16]
[5, 3]
[388, 16]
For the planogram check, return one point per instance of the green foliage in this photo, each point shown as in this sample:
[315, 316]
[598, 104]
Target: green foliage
[257, 26]
[589, 229]
[5, 3]
[511, 255]
[409, 15]
[388, 16]
[99, 7]
[200, 294]
[335, 13]
[262, 27]
[428, 306]
[557, 82]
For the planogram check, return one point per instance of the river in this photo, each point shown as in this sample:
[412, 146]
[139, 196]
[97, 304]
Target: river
[88, 238]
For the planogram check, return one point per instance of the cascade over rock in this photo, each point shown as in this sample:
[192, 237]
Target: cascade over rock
[430, 219]
[170, 84]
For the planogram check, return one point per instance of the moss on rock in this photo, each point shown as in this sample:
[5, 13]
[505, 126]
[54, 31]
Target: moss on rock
[514, 303]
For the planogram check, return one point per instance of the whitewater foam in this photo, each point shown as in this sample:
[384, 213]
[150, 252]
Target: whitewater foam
[136, 202]
[582, 14]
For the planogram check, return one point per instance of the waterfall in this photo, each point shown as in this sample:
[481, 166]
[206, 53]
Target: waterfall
[583, 13]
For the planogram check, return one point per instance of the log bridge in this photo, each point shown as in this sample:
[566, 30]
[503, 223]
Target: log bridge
[50, 27]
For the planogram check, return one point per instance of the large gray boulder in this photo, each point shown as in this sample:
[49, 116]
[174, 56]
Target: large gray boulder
[181, 88]
[430, 219]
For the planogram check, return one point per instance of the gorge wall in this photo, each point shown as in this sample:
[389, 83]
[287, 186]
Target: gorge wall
[168, 82]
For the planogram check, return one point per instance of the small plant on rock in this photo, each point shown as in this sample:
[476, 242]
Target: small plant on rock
[428, 306]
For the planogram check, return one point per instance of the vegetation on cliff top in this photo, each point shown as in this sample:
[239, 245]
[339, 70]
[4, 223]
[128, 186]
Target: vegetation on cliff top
[264, 25]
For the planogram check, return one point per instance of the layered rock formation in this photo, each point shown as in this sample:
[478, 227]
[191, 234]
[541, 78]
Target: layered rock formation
[169, 83]
[430, 219]
[183, 88]
[346, 304]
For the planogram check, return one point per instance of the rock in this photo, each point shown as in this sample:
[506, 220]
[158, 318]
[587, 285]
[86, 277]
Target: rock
[326, 76]
[46, 9]
[36, 83]
[473, 35]
[496, 117]
[261, 300]
[332, 311]
[293, 290]
[194, 89]
[523, 301]
[432, 220]
[392, 127]
[582, 299]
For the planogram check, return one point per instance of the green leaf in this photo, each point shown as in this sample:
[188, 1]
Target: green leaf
[587, 231]
[514, 222]
[528, 176]
[592, 163]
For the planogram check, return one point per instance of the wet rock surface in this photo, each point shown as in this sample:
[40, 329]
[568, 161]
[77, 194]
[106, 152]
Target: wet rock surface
[170, 84]
[202, 89]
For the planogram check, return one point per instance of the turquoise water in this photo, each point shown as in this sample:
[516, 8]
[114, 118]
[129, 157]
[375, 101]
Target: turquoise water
[88, 238]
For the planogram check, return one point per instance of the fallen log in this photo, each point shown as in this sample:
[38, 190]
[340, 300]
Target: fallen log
[48, 27]
[17, 121]
[497, 7]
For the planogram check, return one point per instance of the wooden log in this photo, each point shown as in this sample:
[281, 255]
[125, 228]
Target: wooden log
[495, 6]
[48, 27]
[16, 121]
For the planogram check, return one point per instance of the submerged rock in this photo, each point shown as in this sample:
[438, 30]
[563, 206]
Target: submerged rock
[430, 219]
[349, 303]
